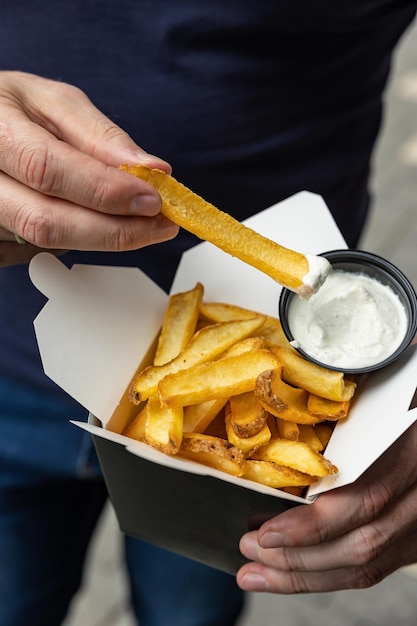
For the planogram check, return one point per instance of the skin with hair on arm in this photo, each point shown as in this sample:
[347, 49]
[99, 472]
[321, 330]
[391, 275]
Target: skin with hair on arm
[350, 538]
[60, 184]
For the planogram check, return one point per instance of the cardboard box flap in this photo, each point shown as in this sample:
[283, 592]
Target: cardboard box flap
[384, 407]
[95, 327]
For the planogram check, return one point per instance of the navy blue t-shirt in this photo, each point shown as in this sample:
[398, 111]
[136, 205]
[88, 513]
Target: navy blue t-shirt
[249, 100]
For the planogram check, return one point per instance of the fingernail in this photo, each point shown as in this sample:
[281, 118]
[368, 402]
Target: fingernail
[152, 161]
[272, 540]
[254, 582]
[249, 546]
[145, 204]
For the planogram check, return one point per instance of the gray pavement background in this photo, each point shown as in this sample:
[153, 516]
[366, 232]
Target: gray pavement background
[391, 232]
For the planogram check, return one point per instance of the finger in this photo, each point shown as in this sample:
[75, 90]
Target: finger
[69, 115]
[53, 223]
[368, 550]
[341, 510]
[260, 578]
[256, 577]
[54, 168]
[320, 522]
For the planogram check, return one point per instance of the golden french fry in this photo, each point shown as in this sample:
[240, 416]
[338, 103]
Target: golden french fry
[307, 433]
[248, 416]
[296, 454]
[246, 444]
[314, 378]
[276, 476]
[197, 417]
[295, 491]
[224, 312]
[163, 426]
[327, 409]
[228, 376]
[286, 429]
[202, 322]
[272, 331]
[324, 432]
[245, 345]
[206, 344]
[217, 427]
[227, 390]
[184, 207]
[179, 324]
[272, 425]
[214, 452]
[136, 428]
[282, 400]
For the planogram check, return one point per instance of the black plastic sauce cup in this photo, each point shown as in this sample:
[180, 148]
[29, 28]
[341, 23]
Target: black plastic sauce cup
[377, 268]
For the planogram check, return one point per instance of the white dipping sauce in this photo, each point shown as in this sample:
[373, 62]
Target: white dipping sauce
[353, 321]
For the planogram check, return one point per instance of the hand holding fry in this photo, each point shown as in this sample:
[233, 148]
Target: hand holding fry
[61, 183]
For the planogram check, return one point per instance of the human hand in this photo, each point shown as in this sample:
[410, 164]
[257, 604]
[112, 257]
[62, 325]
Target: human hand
[59, 183]
[349, 538]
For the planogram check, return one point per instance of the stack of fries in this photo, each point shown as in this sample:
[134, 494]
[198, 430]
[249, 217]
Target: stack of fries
[226, 389]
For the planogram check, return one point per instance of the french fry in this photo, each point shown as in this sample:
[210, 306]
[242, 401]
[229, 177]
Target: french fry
[163, 426]
[224, 312]
[223, 378]
[272, 331]
[314, 378]
[179, 324]
[248, 416]
[286, 429]
[295, 491]
[214, 452]
[282, 400]
[245, 345]
[136, 428]
[272, 425]
[307, 433]
[206, 344]
[324, 432]
[217, 427]
[296, 454]
[198, 417]
[184, 207]
[226, 389]
[327, 409]
[246, 444]
[276, 476]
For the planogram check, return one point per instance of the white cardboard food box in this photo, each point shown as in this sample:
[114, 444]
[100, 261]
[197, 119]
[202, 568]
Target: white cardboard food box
[99, 326]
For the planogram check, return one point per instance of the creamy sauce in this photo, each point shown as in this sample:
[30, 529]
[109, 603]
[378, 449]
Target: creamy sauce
[353, 321]
[318, 270]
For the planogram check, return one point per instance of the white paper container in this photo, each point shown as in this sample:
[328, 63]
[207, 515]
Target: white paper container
[99, 326]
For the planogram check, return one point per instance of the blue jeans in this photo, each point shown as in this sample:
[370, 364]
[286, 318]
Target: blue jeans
[51, 496]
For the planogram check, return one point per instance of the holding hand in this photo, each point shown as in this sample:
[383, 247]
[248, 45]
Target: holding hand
[60, 186]
[350, 538]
